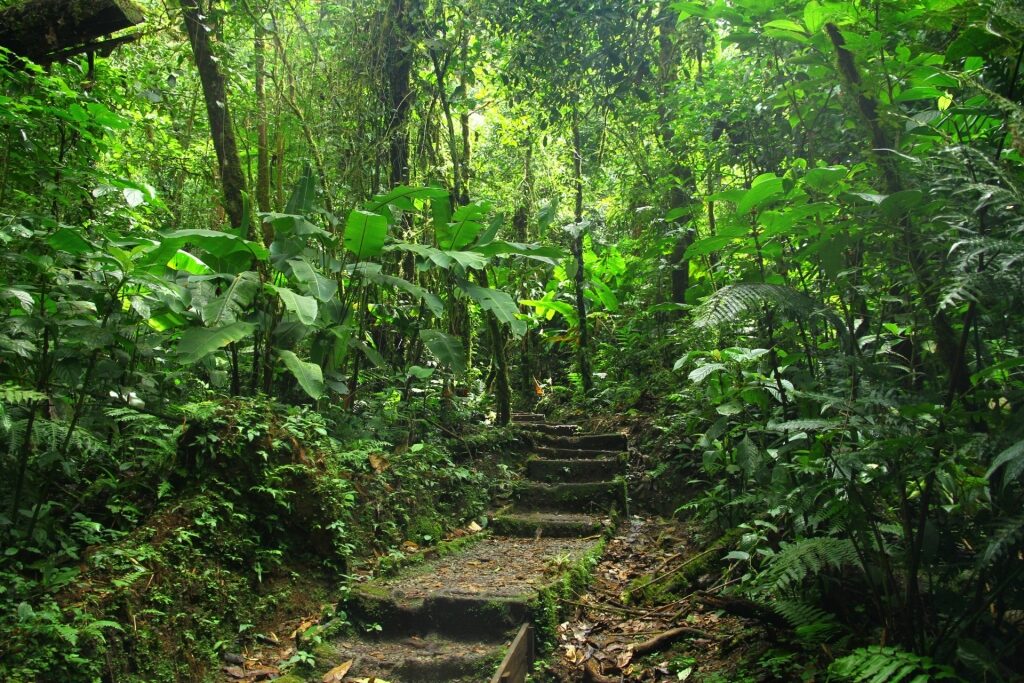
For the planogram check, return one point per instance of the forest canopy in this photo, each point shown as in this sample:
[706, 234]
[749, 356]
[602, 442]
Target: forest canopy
[248, 246]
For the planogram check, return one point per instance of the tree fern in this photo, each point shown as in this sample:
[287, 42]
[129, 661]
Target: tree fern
[733, 301]
[876, 664]
[808, 557]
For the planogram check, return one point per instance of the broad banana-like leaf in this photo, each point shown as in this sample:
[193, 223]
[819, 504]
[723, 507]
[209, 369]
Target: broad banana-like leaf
[402, 197]
[309, 375]
[548, 308]
[229, 306]
[321, 287]
[497, 302]
[304, 307]
[301, 201]
[198, 342]
[463, 228]
[365, 233]
[446, 348]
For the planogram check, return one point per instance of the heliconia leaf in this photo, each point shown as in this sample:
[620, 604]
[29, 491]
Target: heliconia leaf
[548, 308]
[304, 307]
[497, 302]
[317, 285]
[464, 226]
[301, 201]
[365, 233]
[402, 197]
[198, 342]
[446, 348]
[230, 305]
[309, 375]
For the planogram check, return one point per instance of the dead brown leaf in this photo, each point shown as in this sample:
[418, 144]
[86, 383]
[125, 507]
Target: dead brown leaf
[337, 674]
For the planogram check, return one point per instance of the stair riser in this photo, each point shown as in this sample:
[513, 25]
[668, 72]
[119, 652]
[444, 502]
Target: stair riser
[551, 430]
[447, 615]
[574, 471]
[528, 418]
[505, 526]
[611, 442]
[550, 453]
[592, 497]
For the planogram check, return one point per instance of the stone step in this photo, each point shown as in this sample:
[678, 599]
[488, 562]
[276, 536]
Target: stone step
[528, 418]
[553, 453]
[551, 430]
[574, 470]
[414, 659]
[598, 496]
[480, 592]
[532, 524]
[611, 442]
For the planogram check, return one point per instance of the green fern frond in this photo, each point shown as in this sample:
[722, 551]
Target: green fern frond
[15, 395]
[733, 301]
[1007, 537]
[811, 624]
[808, 557]
[876, 664]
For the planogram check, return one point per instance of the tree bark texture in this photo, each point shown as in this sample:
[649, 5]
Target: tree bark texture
[221, 130]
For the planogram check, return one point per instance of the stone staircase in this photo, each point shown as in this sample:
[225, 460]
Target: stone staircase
[450, 618]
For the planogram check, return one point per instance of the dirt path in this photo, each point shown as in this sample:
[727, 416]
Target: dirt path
[450, 618]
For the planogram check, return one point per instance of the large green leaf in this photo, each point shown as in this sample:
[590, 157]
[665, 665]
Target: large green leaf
[548, 308]
[229, 306]
[463, 228]
[402, 197]
[309, 375]
[544, 254]
[606, 295]
[365, 233]
[304, 307]
[198, 342]
[446, 348]
[316, 285]
[301, 201]
[762, 189]
[497, 302]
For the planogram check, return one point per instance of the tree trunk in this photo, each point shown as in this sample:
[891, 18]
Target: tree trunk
[215, 94]
[682, 191]
[262, 143]
[398, 64]
[583, 358]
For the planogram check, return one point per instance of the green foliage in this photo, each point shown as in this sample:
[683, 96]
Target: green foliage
[889, 665]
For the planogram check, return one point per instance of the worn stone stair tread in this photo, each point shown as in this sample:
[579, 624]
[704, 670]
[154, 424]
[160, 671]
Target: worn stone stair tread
[572, 497]
[483, 589]
[429, 658]
[574, 469]
[610, 441]
[512, 521]
[553, 453]
[527, 418]
[550, 429]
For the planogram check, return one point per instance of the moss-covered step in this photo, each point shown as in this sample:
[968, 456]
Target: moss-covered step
[412, 659]
[526, 418]
[611, 442]
[511, 521]
[552, 453]
[584, 497]
[482, 592]
[574, 469]
[551, 430]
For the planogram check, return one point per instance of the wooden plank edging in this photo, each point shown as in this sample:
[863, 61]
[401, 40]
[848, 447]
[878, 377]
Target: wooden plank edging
[519, 658]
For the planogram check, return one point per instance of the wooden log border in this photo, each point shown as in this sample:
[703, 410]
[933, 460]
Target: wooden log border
[519, 659]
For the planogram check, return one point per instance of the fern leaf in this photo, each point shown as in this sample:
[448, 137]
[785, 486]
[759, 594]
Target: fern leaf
[1007, 537]
[733, 301]
[808, 557]
[876, 664]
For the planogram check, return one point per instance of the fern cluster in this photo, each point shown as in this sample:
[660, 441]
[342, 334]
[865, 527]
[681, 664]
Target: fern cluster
[876, 664]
